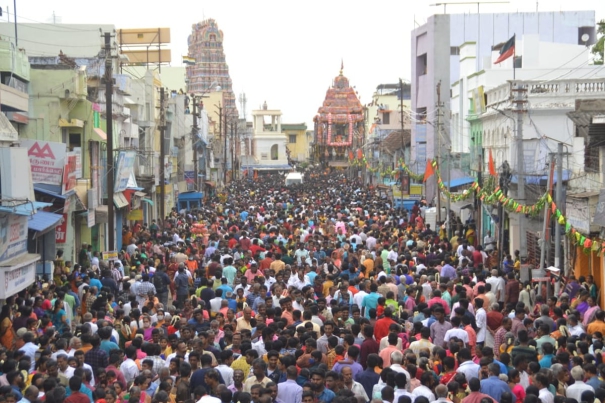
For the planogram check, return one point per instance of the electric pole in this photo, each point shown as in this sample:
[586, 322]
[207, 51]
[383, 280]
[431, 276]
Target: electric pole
[520, 101]
[438, 152]
[545, 224]
[401, 119]
[109, 118]
[194, 143]
[162, 156]
[559, 202]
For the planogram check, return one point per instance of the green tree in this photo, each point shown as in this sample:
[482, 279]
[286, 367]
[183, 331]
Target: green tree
[597, 49]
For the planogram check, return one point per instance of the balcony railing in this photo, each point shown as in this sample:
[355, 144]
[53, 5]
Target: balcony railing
[577, 88]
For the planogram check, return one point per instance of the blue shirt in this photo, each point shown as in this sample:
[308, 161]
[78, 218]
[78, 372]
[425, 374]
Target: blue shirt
[546, 361]
[494, 387]
[326, 396]
[94, 282]
[107, 346]
[225, 288]
[370, 301]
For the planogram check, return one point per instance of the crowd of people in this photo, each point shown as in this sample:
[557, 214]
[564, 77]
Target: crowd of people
[319, 292]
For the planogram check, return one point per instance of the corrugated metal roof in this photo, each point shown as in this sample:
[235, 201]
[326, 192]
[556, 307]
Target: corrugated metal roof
[43, 220]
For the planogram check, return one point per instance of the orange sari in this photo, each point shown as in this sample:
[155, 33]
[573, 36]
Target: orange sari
[8, 334]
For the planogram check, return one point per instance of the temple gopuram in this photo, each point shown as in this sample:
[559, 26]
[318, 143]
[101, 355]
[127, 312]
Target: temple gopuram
[338, 126]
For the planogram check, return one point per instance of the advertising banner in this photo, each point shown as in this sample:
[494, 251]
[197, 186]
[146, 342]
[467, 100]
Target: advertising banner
[47, 160]
[13, 235]
[124, 166]
[70, 172]
[61, 230]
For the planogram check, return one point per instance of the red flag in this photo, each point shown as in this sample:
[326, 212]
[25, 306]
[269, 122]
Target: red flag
[507, 50]
[491, 165]
[350, 154]
[429, 171]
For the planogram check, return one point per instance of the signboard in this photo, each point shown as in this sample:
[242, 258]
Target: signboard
[69, 172]
[13, 235]
[135, 215]
[124, 166]
[47, 160]
[17, 279]
[61, 230]
[93, 198]
[91, 218]
[599, 215]
[78, 152]
[110, 255]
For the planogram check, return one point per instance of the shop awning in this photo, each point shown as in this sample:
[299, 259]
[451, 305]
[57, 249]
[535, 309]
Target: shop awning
[140, 194]
[27, 208]
[190, 196]
[7, 130]
[120, 200]
[460, 182]
[148, 201]
[42, 221]
[100, 134]
[210, 183]
[52, 190]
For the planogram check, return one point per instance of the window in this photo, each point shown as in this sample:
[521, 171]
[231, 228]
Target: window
[274, 152]
[292, 138]
[454, 51]
[386, 118]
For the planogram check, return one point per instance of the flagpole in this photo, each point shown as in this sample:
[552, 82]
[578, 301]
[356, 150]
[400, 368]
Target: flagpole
[514, 57]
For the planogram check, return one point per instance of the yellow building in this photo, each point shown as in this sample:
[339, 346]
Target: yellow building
[298, 140]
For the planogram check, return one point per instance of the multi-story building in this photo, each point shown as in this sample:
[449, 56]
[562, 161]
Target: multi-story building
[299, 141]
[436, 56]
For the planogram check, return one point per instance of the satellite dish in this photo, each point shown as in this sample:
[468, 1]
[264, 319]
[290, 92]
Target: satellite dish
[585, 38]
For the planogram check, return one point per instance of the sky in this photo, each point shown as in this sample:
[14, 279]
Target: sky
[284, 52]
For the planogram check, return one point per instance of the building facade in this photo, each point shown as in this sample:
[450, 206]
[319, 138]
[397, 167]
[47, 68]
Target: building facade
[299, 139]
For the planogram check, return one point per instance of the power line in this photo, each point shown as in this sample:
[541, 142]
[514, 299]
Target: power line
[62, 26]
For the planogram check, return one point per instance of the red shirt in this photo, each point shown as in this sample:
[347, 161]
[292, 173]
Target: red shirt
[381, 329]
[77, 397]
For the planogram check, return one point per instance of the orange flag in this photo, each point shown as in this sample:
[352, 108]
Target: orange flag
[491, 165]
[429, 171]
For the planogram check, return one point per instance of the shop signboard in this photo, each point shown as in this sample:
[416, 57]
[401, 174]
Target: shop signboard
[110, 255]
[13, 236]
[61, 230]
[47, 160]
[124, 166]
[17, 279]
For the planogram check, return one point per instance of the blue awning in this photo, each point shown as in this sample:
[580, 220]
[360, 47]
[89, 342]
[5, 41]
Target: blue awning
[543, 180]
[267, 167]
[190, 196]
[26, 209]
[52, 190]
[147, 201]
[460, 181]
[43, 220]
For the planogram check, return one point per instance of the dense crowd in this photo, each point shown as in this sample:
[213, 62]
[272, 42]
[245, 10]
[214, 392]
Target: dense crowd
[319, 292]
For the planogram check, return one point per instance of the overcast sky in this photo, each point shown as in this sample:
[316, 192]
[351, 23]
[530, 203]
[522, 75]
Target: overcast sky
[288, 52]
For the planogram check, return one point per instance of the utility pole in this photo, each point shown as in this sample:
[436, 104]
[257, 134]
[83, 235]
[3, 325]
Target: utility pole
[559, 202]
[401, 118]
[504, 181]
[194, 142]
[162, 156]
[438, 151]
[520, 101]
[546, 223]
[109, 118]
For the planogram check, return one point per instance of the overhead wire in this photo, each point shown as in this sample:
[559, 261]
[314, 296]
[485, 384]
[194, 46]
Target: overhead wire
[61, 26]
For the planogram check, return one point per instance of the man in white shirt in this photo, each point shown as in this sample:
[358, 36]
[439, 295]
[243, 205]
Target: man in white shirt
[215, 303]
[426, 381]
[63, 365]
[456, 331]
[497, 287]
[441, 392]
[129, 368]
[542, 382]
[575, 391]
[225, 366]
[480, 320]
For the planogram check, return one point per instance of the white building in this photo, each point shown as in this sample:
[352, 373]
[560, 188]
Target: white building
[268, 151]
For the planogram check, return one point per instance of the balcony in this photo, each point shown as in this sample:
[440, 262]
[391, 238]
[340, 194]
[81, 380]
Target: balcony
[13, 99]
[559, 93]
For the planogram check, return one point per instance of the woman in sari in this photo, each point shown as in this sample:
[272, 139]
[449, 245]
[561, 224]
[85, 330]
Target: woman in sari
[59, 317]
[590, 312]
[7, 332]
